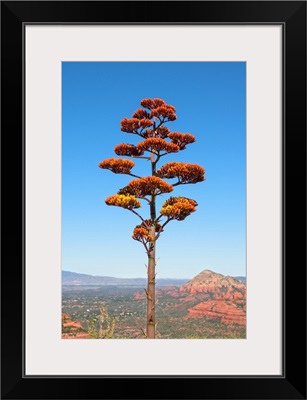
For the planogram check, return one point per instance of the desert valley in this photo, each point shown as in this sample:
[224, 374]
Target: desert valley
[209, 306]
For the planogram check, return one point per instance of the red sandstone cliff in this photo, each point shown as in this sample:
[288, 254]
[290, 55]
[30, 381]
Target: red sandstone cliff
[227, 312]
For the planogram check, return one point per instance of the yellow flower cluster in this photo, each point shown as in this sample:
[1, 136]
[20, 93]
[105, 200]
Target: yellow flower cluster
[121, 200]
[178, 208]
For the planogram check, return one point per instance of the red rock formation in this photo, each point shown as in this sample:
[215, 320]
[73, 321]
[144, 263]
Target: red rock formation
[210, 295]
[72, 329]
[139, 296]
[225, 311]
[210, 282]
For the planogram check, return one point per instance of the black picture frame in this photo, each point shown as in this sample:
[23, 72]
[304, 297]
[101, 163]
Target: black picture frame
[292, 383]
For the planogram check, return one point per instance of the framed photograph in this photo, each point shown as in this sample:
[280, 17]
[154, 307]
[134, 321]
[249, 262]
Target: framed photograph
[170, 134]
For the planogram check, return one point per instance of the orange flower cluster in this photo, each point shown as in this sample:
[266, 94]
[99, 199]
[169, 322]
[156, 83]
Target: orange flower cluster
[150, 185]
[159, 109]
[127, 191]
[152, 103]
[141, 234]
[140, 114]
[141, 119]
[157, 144]
[178, 208]
[181, 139]
[145, 123]
[165, 111]
[125, 201]
[162, 132]
[186, 173]
[125, 149]
[131, 125]
[116, 165]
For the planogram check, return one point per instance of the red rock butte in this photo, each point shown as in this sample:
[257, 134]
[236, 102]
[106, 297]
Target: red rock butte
[211, 282]
[229, 302]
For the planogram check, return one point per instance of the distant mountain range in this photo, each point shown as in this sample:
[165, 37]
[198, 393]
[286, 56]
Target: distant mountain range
[73, 278]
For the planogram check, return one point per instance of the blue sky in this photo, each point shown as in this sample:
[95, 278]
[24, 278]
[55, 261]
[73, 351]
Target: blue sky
[210, 99]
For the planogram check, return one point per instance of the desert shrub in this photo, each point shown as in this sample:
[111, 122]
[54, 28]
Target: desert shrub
[103, 326]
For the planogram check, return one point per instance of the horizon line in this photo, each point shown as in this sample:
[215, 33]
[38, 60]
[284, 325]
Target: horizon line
[120, 277]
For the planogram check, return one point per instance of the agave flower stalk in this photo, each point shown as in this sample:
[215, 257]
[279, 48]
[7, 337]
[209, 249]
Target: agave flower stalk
[158, 141]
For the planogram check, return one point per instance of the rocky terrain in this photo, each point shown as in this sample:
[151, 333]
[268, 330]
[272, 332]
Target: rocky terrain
[72, 329]
[227, 312]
